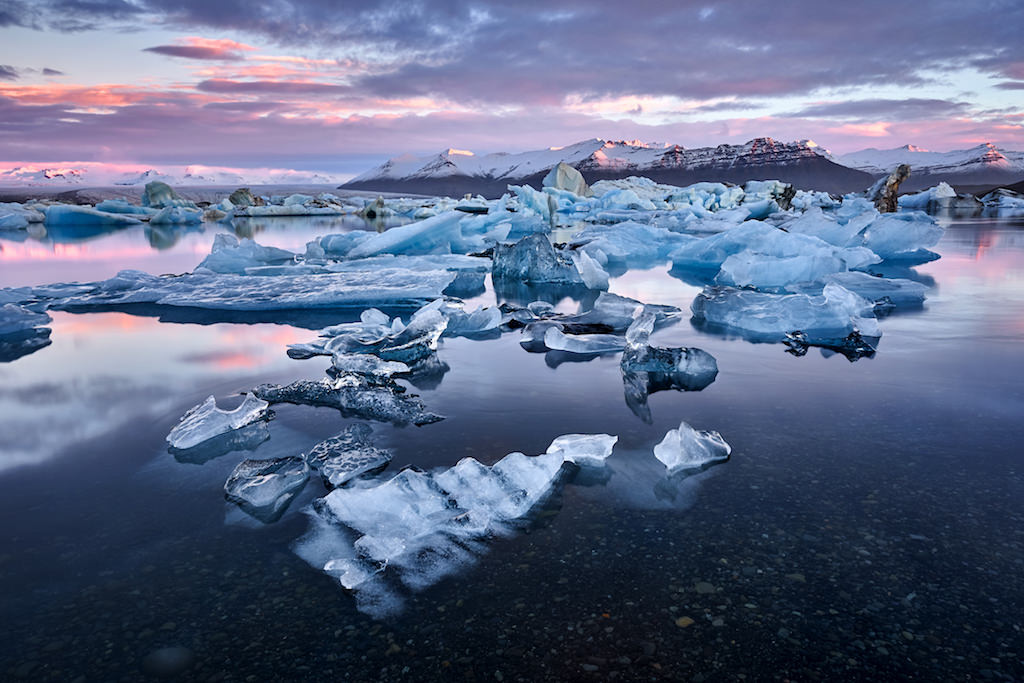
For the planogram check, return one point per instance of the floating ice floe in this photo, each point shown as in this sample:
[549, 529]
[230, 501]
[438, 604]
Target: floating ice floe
[22, 331]
[206, 421]
[231, 255]
[686, 448]
[206, 290]
[121, 206]
[264, 488]
[420, 526]
[1003, 203]
[347, 456]
[884, 291]
[826, 318]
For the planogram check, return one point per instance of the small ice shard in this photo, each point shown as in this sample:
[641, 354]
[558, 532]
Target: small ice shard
[16, 319]
[584, 449]
[206, 421]
[565, 177]
[347, 455]
[556, 340]
[686, 448]
[419, 338]
[354, 397]
[533, 260]
[614, 313]
[264, 488]
[160, 195]
[854, 346]
[62, 215]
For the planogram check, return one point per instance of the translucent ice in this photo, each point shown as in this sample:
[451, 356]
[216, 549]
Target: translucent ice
[264, 488]
[556, 340]
[177, 215]
[68, 215]
[902, 236]
[686, 448]
[898, 292]
[206, 421]
[584, 449]
[347, 455]
[832, 315]
[15, 319]
[231, 255]
[431, 236]
[533, 259]
[203, 289]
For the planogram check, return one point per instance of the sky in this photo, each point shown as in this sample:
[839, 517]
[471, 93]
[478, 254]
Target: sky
[340, 86]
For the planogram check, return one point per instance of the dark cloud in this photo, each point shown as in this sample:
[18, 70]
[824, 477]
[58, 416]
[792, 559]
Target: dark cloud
[909, 109]
[534, 52]
[195, 52]
[8, 73]
[52, 72]
[1011, 85]
[734, 105]
[294, 88]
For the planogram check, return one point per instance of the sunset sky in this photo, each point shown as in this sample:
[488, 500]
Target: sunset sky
[338, 87]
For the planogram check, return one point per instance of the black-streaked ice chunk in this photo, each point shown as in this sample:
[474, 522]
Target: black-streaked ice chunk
[347, 455]
[686, 448]
[264, 488]
[206, 421]
[353, 397]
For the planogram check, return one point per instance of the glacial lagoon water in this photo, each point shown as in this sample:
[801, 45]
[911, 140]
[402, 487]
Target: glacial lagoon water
[868, 525]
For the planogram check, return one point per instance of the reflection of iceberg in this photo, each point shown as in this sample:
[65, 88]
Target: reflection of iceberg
[247, 438]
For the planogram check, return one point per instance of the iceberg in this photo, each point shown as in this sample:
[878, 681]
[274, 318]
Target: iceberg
[887, 291]
[177, 215]
[903, 236]
[160, 195]
[206, 420]
[828, 317]
[67, 215]
[231, 255]
[533, 260]
[565, 177]
[431, 236]
[631, 244]
[686, 448]
[15, 319]
[347, 455]
[14, 216]
[121, 206]
[264, 488]
[354, 397]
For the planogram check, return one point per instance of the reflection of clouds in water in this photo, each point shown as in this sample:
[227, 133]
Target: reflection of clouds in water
[38, 421]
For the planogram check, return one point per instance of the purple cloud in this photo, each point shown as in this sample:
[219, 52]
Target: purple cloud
[195, 52]
[8, 73]
[883, 109]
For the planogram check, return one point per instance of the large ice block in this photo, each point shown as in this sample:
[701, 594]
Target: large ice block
[206, 421]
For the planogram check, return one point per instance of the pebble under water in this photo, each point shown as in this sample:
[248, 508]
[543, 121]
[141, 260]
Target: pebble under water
[867, 526]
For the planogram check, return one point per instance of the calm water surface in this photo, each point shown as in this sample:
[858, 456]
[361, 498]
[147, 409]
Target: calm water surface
[869, 525]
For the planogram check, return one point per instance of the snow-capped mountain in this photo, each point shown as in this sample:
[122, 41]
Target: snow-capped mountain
[984, 164]
[457, 171]
[30, 175]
